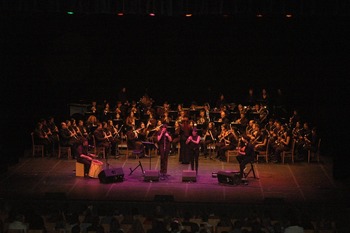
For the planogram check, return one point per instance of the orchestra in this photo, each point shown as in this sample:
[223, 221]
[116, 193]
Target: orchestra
[219, 128]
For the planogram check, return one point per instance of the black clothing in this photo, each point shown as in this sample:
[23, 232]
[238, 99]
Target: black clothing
[193, 149]
[66, 139]
[100, 139]
[243, 160]
[185, 132]
[164, 150]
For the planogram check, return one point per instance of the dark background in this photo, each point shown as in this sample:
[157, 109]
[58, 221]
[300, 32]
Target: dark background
[51, 60]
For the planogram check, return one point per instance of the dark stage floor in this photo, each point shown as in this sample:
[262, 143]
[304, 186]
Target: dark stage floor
[293, 183]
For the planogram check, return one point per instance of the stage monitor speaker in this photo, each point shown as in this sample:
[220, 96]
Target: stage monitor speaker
[229, 177]
[151, 175]
[112, 175]
[189, 176]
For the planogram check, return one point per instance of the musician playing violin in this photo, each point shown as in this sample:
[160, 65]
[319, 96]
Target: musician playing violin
[227, 140]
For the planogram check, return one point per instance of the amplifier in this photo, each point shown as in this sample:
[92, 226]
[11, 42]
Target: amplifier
[229, 177]
[151, 175]
[189, 176]
[113, 175]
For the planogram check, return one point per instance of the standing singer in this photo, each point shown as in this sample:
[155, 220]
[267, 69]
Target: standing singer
[193, 144]
[164, 141]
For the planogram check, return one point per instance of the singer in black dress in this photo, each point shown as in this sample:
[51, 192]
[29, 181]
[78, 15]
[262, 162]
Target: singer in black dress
[164, 142]
[193, 143]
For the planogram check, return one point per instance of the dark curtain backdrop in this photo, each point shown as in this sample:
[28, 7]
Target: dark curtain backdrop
[50, 61]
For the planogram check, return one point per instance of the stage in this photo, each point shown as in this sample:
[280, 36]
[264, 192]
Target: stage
[301, 182]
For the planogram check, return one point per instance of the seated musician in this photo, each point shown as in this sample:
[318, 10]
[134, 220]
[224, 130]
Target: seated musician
[259, 138]
[304, 134]
[209, 137]
[142, 134]
[246, 154]
[131, 119]
[119, 111]
[165, 118]
[83, 131]
[75, 128]
[68, 138]
[249, 129]
[111, 139]
[101, 138]
[202, 119]
[223, 117]
[91, 123]
[133, 141]
[282, 143]
[135, 109]
[242, 121]
[165, 108]
[176, 137]
[227, 140]
[41, 138]
[85, 157]
[181, 116]
[311, 143]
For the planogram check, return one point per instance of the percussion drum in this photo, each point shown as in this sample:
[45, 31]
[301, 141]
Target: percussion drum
[96, 168]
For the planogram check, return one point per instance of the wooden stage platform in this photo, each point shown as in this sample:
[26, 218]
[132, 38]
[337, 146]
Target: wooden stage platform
[300, 182]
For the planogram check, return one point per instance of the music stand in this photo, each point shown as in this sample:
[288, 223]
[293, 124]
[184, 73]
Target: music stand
[139, 165]
[150, 145]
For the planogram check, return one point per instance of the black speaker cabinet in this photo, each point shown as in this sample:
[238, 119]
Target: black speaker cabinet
[151, 175]
[112, 175]
[229, 177]
[189, 176]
